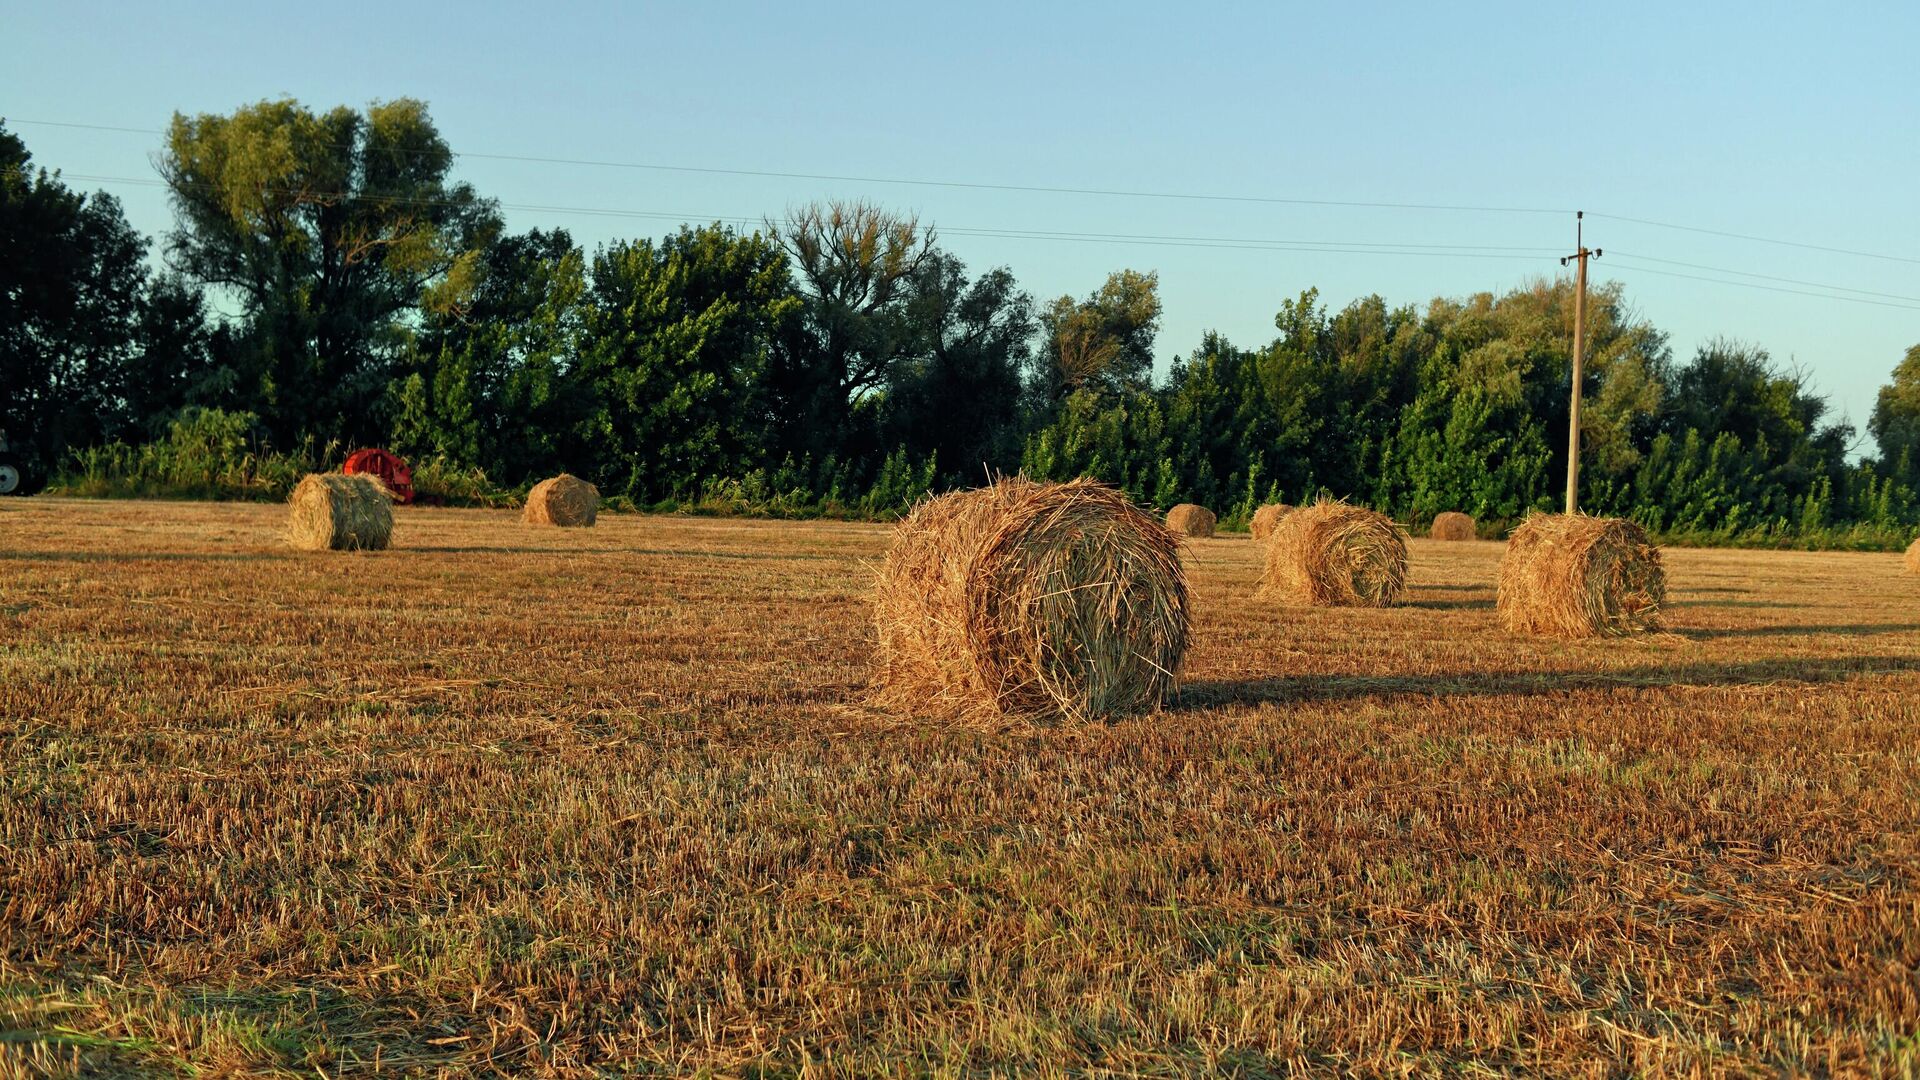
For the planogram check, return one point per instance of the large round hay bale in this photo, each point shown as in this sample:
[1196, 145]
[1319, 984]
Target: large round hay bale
[1264, 519]
[1913, 556]
[562, 500]
[1040, 601]
[1453, 525]
[1570, 575]
[1191, 519]
[334, 511]
[1333, 554]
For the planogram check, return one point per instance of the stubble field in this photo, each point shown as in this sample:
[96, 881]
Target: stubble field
[517, 800]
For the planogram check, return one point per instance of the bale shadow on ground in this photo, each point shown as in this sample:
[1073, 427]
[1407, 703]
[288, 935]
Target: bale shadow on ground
[1796, 630]
[1209, 693]
[676, 553]
[1447, 605]
[482, 549]
[148, 556]
[1727, 603]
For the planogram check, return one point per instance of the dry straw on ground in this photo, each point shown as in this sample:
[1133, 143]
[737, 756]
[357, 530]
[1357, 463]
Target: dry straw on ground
[340, 512]
[562, 500]
[1191, 519]
[1560, 860]
[1569, 575]
[1266, 518]
[1031, 600]
[1913, 556]
[1333, 554]
[1453, 525]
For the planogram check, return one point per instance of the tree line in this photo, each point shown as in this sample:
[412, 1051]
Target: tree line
[328, 284]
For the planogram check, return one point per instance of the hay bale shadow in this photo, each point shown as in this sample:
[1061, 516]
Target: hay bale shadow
[1449, 605]
[1300, 689]
[1796, 630]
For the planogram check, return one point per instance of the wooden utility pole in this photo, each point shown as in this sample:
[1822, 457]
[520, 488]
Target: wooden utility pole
[1580, 255]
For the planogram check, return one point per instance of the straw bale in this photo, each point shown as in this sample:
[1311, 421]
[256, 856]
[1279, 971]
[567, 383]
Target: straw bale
[1334, 554]
[337, 512]
[564, 500]
[1191, 519]
[1574, 576]
[1036, 601]
[1265, 518]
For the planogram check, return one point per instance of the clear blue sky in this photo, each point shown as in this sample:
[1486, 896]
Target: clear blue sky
[1797, 124]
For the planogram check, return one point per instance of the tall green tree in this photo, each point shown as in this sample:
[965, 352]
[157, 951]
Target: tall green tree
[674, 341]
[1895, 424]
[72, 282]
[487, 382]
[1210, 415]
[955, 398]
[1103, 343]
[1749, 431]
[331, 232]
[181, 358]
[1488, 433]
[855, 265]
[1120, 438]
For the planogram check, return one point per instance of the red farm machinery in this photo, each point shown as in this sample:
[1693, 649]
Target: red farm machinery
[388, 468]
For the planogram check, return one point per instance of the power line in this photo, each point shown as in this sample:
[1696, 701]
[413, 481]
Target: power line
[1117, 238]
[1028, 188]
[913, 182]
[1765, 277]
[1332, 247]
[1768, 288]
[1505, 249]
[1465, 251]
[88, 127]
[1054, 190]
[1760, 239]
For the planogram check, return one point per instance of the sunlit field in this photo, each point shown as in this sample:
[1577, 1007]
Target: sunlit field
[508, 799]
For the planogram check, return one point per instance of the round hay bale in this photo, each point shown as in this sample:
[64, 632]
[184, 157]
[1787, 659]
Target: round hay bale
[1191, 519]
[1036, 601]
[1453, 525]
[1333, 554]
[563, 500]
[1913, 557]
[1264, 519]
[1574, 576]
[337, 512]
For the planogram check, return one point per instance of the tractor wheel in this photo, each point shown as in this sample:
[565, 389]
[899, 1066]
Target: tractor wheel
[12, 480]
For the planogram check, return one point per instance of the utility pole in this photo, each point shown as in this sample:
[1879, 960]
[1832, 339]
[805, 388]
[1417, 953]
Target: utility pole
[1580, 255]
